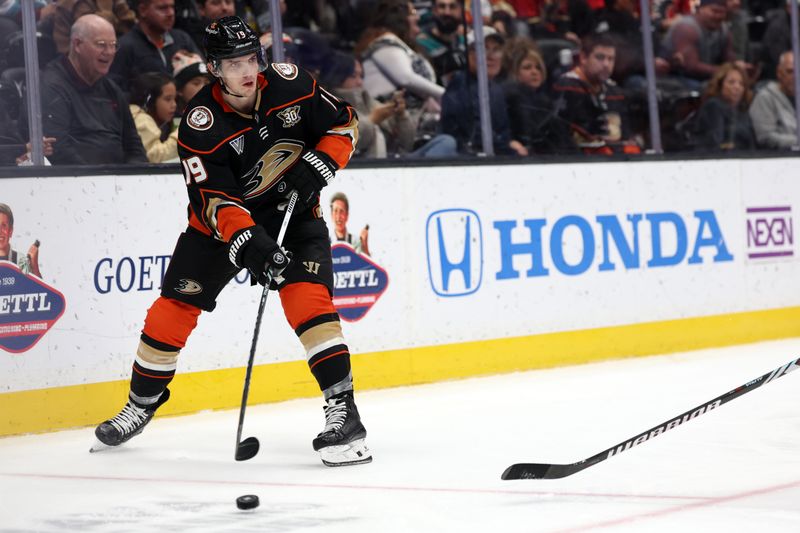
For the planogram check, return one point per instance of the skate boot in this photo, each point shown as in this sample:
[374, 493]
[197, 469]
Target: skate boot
[341, 443]
[127, 424]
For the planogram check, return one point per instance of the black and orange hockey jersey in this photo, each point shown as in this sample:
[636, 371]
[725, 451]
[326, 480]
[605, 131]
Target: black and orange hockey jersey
[232, 162]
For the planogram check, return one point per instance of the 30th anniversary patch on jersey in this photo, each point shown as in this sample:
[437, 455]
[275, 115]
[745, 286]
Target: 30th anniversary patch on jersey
[200, 118]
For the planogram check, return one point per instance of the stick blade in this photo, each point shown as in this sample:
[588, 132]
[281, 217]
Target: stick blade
[535, 471]
[247, 449]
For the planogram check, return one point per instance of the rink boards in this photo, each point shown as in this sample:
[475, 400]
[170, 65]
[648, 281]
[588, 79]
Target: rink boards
[474, 270]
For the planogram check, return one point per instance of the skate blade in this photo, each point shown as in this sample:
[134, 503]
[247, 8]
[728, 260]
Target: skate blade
[354, 453]
[99, 447]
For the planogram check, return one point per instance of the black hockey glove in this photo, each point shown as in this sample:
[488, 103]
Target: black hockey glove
[313, 171]
[253, 249]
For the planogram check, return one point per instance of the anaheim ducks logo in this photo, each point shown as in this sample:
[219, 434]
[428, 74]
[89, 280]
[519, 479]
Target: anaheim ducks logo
[189, 286]
[269, 169]
[200, 118]
[286, 71]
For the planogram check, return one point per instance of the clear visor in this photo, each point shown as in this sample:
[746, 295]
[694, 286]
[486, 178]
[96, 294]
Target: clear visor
[241, 67]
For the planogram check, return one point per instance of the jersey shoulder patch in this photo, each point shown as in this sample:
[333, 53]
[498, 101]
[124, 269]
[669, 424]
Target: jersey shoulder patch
[203, 127]
[200, 118]
[286, 71]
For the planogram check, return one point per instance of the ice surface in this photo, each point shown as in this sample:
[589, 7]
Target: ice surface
[439, 451]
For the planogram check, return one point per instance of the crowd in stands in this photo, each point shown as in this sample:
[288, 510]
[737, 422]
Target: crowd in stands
[565, 76]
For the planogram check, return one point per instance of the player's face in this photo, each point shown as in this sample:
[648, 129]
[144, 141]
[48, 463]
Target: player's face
[6, 230]
[216, 9]
[166, 104]
[339, 215]
[240, 74]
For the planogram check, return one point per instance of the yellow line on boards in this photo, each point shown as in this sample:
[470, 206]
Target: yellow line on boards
[81, 405]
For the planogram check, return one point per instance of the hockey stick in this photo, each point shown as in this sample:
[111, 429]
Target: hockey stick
[248, 448]
[554, 471]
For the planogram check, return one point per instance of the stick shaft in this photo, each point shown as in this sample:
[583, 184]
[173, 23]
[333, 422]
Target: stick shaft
[261, 306]
[552, 471]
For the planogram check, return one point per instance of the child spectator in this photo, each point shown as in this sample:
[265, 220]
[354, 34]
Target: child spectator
[153, 106]
[191, 75]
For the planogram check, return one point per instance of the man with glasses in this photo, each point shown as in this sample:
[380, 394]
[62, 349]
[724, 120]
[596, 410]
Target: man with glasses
[150, 45]
[443, 43]
[82, 108]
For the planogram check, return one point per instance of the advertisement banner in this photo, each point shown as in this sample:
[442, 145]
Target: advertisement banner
[423, 256]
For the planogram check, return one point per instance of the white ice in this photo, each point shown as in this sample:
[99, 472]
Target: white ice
[439, 451]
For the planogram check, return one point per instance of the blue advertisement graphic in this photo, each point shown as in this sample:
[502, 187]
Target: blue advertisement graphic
[28, 308]
[605, 242]
[358, 282]
[454, 243]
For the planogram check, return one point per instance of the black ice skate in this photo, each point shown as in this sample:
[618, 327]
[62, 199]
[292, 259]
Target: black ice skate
[341, 443]
[127, 424]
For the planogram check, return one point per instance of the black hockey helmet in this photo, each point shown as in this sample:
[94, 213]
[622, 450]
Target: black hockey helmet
[230, 37]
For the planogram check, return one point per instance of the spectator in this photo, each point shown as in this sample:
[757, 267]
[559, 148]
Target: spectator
[460, 110]
[772, 110]
[443, 44]
[592, 104]
[531, 115]
[191, 74]
[82, 108]
[736, 26]
[340, 213]
[28, 264]
[207, 11]
[722, 122]
[383, 128]
[390, 62]
[152, 42]
[777, 37]
[153, 107]
[620, 18]
[66, 12]
[696, 45]
[13, 150]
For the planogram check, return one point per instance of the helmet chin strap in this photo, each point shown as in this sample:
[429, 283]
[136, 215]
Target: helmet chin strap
[225, 89]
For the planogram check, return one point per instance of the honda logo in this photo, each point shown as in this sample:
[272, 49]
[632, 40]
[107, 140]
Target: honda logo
[455, 251]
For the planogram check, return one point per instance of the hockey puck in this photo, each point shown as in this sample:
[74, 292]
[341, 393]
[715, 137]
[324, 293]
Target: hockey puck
[248, 501]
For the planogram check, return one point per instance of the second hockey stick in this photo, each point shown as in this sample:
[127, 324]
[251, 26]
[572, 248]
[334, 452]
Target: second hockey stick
[248, 448]
[554, 471]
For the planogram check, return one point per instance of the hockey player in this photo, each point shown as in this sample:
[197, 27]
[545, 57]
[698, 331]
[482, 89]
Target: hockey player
[245, 142]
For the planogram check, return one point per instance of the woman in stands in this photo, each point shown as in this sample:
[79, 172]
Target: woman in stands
[722, 122]
[391, 64]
